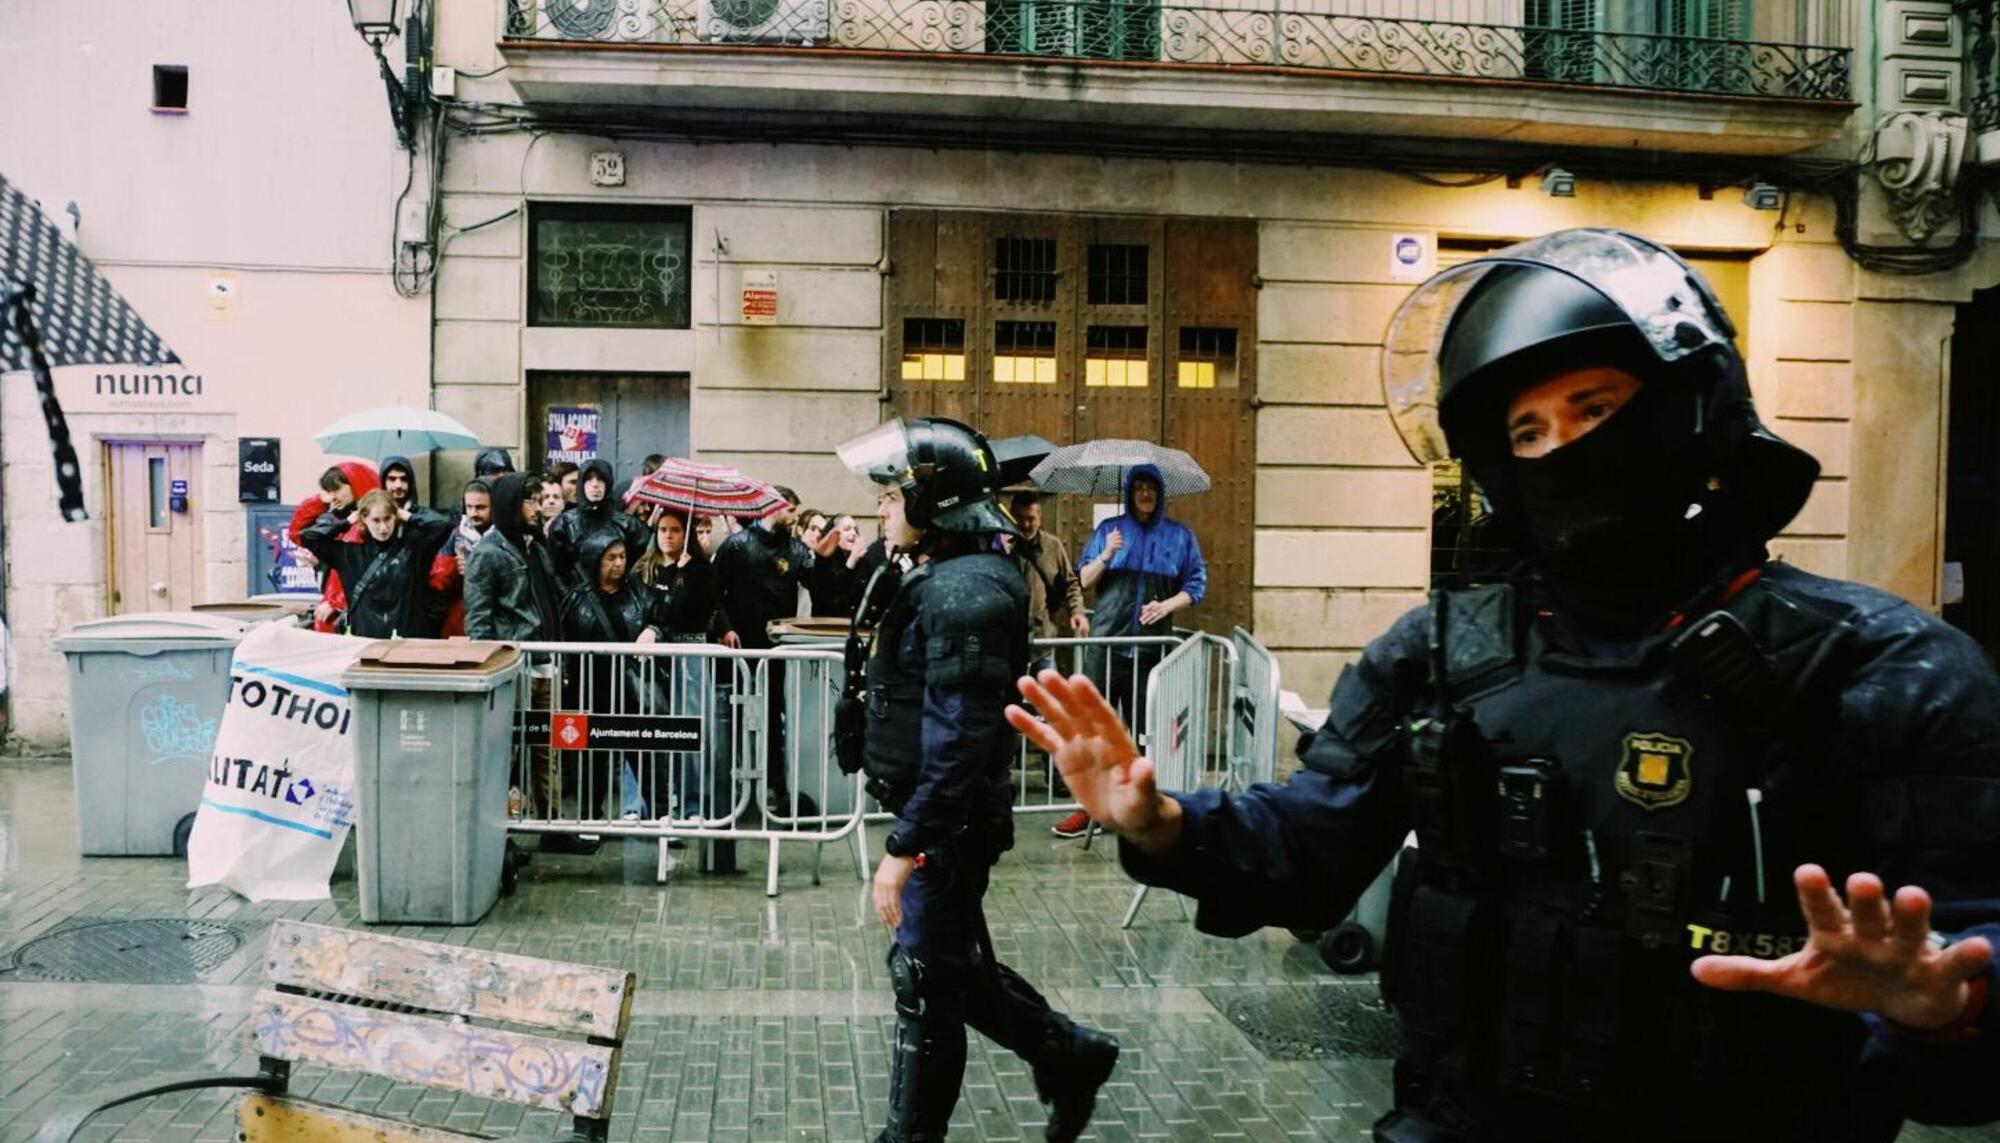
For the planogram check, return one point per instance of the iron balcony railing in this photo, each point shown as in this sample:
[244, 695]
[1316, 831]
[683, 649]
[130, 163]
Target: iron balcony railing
[1274, 34]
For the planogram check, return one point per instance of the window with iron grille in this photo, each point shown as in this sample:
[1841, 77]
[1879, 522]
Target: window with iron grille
[1024, 353]
[1024, 269]
[608, 265]
[1114, 356]
[1208, 358]
[1118, 275]
[933, 349]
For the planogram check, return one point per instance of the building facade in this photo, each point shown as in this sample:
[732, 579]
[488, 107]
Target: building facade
[1192, 223]
[233, 171]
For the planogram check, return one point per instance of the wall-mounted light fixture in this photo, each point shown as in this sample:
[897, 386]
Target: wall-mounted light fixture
[377, 20]
[1763, 196]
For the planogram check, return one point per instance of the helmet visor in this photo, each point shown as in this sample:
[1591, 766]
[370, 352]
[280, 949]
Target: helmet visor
[1669, 305]
[882, 454]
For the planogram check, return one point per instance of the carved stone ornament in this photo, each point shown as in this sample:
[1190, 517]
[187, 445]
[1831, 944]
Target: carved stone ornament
[1917, 155]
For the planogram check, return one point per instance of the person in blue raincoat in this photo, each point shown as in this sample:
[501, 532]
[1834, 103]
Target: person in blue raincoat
[1709, 847]
[1144, 566]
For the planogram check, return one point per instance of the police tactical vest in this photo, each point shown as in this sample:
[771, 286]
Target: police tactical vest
[958, 622]
[1588, 826]
[895, 697]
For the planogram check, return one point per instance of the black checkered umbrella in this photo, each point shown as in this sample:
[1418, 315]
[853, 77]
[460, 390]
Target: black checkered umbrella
[58, 310]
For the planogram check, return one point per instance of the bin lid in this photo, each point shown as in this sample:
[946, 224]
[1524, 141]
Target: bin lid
[153, 630]
[433, 665]
[252, 611]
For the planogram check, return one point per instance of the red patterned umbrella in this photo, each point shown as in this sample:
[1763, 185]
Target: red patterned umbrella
[705, 490]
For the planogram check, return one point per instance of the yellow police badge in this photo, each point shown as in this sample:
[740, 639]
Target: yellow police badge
[1654, 772]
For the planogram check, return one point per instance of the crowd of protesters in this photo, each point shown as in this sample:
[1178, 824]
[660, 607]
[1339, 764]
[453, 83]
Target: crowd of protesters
[562, 556]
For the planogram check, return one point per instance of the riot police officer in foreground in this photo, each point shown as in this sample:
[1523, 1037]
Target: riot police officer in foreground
[938, 753]
[1637, 765]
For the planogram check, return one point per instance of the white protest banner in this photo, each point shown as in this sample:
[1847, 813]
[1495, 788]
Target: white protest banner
[280, 793]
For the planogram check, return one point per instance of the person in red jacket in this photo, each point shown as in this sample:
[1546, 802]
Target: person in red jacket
[339, 487]
[447, 574]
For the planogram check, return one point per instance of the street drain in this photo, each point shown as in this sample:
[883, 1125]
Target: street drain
[162, 950]
[1311, 1022]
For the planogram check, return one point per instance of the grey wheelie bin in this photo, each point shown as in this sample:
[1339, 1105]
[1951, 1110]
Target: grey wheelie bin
[434, 725]
[146, 693]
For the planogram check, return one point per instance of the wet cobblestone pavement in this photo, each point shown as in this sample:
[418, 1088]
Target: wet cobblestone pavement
[756, 1019]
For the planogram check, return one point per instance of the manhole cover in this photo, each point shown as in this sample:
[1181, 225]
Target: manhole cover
[167, 950]
[1310, 1022]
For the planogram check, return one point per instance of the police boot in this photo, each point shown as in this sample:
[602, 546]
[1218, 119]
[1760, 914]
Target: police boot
[927, 1061]
[1067, 1078]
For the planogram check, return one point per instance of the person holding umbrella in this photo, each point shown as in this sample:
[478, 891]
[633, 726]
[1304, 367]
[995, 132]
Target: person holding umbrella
[1145, 566]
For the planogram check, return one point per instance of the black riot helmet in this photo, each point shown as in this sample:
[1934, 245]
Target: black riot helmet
[946, 471]
[1475, 334]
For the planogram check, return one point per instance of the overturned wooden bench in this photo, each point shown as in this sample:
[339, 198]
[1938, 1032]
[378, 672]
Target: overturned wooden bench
[542, 1033]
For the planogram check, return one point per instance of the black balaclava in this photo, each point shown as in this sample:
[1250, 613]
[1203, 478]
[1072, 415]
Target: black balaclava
[1609, 512]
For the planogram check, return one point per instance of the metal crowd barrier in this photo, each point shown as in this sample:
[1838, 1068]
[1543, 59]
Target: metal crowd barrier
[698, 742]
[682, 740]
[1253, 754]
[1229, 684]
[1037, 786]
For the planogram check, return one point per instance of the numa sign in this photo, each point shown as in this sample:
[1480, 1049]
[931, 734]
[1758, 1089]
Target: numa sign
[147, 384]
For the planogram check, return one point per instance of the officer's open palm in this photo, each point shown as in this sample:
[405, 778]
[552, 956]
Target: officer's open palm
[1103, 767]
[1871, 954]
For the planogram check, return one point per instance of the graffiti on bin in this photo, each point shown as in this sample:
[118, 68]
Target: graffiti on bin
[175, 731]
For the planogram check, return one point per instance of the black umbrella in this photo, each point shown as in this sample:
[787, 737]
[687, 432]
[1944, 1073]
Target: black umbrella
[1019, 455]
[56, 309]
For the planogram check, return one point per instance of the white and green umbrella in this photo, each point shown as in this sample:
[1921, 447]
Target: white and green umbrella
[394, 430]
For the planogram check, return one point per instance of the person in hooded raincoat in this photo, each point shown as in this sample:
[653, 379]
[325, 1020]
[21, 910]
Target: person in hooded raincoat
[339, 487]
[597, 506]
[611, 606]
[399, 480]
[1145, 566]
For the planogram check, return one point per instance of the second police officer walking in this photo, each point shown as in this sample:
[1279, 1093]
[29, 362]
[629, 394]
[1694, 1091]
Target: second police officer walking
[1642, 766]
[938, 753]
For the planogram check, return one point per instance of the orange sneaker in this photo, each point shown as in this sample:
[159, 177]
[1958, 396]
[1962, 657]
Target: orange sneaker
[1073, 826]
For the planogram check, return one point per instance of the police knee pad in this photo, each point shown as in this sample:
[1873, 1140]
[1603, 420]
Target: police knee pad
[922, 990]
[906, 978]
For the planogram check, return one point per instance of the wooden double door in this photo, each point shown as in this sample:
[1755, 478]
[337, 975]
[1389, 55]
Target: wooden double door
[1081, 328]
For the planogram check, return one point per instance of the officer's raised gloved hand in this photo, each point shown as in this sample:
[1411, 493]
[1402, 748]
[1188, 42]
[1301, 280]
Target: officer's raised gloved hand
[1098, 759]
[1869, 955]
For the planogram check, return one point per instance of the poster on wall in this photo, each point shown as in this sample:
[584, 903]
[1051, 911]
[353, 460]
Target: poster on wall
[572, 433]
[275, 563]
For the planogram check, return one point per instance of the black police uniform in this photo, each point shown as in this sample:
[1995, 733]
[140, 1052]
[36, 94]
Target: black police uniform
[1614, 759]
[938, 754]
[1550, 998]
